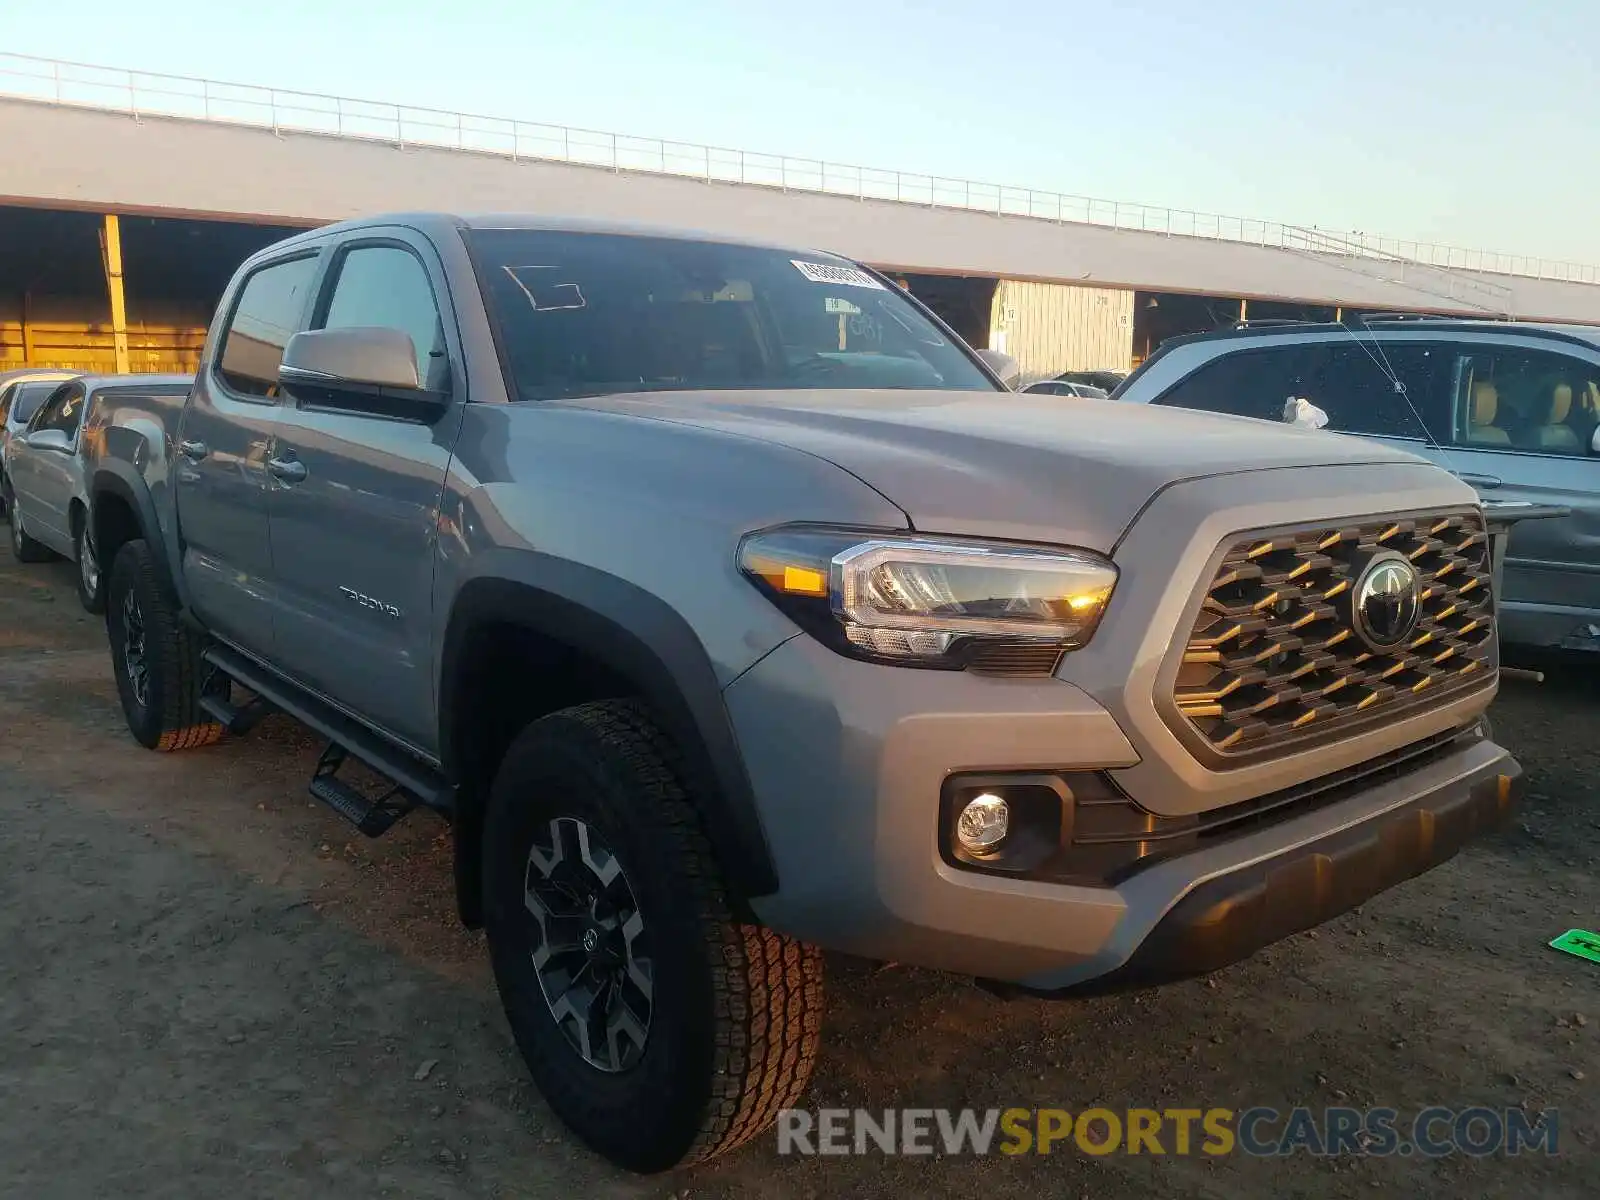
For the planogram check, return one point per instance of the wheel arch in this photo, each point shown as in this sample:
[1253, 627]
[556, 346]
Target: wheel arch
[622, 640]
[121, 509]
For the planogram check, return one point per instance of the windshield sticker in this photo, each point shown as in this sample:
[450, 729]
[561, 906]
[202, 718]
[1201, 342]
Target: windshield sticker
[546, 293]
[832, 273]
[836, 304]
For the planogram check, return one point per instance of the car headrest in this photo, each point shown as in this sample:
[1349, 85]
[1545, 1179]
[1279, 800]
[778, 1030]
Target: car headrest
[1560, 404]
[1485, 402]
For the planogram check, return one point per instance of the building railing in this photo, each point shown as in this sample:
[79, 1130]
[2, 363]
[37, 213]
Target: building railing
[148, 93]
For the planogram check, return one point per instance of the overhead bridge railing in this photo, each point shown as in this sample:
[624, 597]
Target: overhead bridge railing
[142, 93]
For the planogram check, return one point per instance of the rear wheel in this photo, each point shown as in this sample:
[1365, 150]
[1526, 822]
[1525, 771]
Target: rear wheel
[25, 548]
[160, 675]
[91, 580]
[659, 1028]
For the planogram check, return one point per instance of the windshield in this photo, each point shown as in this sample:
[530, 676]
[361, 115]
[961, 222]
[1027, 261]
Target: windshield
[582, 314]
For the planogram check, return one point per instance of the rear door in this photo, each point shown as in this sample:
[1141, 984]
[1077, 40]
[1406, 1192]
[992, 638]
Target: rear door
[224, 442]
[354, 499]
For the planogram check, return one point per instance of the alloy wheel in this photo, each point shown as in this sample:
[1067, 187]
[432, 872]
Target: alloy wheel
[591, 951]
[134, 663]
[88, 565]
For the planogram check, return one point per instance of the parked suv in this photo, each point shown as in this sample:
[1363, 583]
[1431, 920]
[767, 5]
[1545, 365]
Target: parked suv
[723, 630]
[45, 491]
[1512, 408]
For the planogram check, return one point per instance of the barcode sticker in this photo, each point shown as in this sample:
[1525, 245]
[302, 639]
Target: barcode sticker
[832, 273]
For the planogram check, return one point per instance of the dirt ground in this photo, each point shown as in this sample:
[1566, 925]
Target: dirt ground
[210, 985]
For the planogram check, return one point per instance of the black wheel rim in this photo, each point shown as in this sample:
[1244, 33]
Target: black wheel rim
[134, 664]
[16, 526]
[88, 566]
[590, 948]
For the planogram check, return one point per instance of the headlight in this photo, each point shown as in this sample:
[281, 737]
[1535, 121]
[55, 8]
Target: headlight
[931, 601]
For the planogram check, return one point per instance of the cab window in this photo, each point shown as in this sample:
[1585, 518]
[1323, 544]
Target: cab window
[387, 287]
[268, 313]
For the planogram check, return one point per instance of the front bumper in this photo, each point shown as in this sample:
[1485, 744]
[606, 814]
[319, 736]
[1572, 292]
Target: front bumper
[849, 758]
[1231, 916]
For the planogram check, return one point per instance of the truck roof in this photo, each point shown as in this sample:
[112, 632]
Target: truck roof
[435, 220]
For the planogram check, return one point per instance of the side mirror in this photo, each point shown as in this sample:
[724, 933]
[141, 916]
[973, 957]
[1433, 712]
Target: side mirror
[368, 368]
[1002, 365]
[49, 439]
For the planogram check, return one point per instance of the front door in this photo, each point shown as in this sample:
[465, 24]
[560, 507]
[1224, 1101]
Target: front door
[220, 461]
[354, 502]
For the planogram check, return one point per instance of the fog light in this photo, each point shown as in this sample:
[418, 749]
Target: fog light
[982, 825]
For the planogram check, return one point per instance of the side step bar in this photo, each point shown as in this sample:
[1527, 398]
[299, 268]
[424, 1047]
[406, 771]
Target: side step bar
[371, 815]
[416, 783]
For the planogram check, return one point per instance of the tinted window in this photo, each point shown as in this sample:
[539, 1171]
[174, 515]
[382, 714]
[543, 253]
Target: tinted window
[388, 287]
[588, 314]
[1523, 400]
[1363, 385]
[266, 317]
[1379, 387]
[27, 399]
[63, 411]
[1248, 383]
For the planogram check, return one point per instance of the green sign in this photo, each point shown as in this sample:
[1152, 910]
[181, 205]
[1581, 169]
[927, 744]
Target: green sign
[1580, 942]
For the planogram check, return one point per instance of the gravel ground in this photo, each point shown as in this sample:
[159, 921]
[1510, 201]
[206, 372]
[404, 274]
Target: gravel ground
[210, 985]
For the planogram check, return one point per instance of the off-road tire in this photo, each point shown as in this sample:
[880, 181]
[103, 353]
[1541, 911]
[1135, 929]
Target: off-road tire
[93, 601]
[170, 717]
[736, 1009]
[23, 547]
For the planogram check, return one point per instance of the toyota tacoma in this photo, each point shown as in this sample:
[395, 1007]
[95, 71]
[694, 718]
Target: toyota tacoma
[730, 608]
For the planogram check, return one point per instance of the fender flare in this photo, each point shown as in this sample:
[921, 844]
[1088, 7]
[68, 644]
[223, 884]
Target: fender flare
[642, 638]
[115, 478]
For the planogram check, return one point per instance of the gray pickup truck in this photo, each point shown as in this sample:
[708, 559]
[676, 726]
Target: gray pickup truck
[730, 608]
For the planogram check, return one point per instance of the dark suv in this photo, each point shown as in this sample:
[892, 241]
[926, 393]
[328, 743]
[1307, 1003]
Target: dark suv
[1511, 408]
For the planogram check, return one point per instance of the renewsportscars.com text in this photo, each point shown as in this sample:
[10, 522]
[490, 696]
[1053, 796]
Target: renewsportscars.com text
[1434, 1132]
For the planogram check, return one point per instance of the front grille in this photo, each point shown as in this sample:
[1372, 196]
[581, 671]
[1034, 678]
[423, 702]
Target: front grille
[1276, 662]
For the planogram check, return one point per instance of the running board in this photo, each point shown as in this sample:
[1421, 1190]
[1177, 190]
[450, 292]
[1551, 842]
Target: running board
[423, 783]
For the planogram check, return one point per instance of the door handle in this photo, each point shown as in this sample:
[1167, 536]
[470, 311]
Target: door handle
[290, 470]
[193, 451]
[1480, 481]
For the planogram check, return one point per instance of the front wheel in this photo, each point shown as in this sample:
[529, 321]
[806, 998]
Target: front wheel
[156, 659]
[24, 548]
[658, 1027]
[91, 580]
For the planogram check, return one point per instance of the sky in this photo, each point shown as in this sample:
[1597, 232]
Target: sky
[1469, 122]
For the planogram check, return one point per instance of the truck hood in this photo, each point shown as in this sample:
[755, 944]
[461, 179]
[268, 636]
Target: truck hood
[1005, 464]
